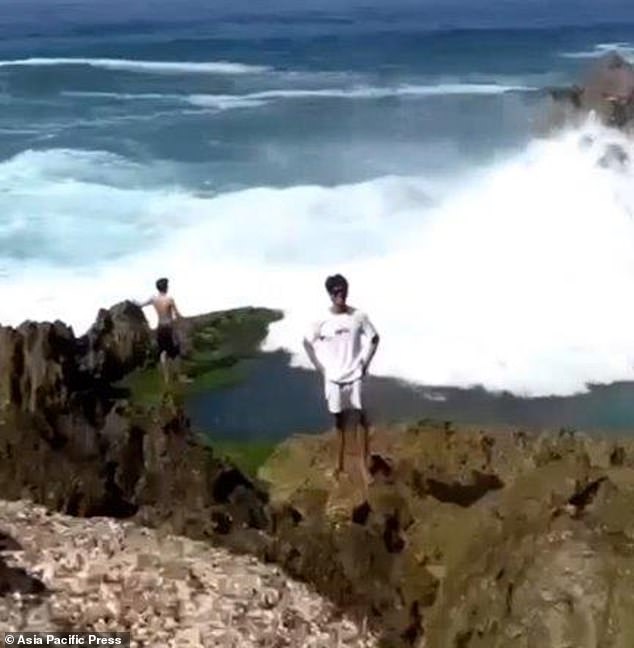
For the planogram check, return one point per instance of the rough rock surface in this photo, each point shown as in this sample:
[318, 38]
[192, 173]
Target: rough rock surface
[118, 342]
[607, 90]
[96, 452]
[46, 371]
[467, 539]
[153, 469]
[168, 591]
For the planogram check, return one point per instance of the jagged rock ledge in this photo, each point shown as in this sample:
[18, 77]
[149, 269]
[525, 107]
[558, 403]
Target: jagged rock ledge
[466, 538]
[98, 445]
[607, 90]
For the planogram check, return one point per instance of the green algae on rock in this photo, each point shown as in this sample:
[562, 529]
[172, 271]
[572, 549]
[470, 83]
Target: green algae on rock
[467, 538]
[71, 440]
[248, 456]
[213, 345]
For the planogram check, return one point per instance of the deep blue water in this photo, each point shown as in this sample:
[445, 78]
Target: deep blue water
[277, 401]
[326, 95]
[178, 118]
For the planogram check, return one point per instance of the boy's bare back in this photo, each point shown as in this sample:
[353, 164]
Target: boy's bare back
[165, 308]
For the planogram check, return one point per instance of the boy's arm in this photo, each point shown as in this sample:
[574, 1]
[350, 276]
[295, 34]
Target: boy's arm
[309, 346]
[175, 309]
[368, 329]
[147, 302]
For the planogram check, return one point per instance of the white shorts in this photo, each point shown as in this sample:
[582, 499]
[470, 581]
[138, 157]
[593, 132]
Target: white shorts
[343, 396]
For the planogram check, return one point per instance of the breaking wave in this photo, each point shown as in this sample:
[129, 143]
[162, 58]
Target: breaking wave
[255, 99]
[159, 67]
[517, 276]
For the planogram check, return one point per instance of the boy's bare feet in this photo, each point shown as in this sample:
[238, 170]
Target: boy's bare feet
[337, 472]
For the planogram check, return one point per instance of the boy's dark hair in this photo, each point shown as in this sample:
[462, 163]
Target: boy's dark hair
[336, 281]
[161, 285]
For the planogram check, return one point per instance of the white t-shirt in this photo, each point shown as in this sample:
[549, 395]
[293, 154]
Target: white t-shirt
[342, 342]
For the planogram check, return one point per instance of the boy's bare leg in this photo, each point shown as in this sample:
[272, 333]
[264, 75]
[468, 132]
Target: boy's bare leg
[165, 368]
[363, 445]
[365, 426]
[340, 423]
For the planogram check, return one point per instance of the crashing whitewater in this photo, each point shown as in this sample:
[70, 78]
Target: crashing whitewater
[517, 276]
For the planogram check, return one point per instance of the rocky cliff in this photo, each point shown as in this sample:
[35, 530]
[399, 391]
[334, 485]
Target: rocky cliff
[75, 440]
[607, 90]
[465, 539]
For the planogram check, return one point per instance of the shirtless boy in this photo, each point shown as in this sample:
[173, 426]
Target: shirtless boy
[167, 313]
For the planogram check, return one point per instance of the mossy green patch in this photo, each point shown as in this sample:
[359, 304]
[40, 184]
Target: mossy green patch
[247, 455]
[213, 346]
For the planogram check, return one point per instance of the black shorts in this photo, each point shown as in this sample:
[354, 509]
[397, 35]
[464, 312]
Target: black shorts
[166, 341]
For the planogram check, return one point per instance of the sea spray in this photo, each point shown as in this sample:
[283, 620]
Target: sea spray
[515, 277]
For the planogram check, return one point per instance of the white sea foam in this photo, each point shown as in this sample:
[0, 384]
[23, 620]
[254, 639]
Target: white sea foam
[220, 102]
[362, 92]
[121, 96]
[519, 278]
[127, 65]
[255, 99]
[225, 102]
[626, 50]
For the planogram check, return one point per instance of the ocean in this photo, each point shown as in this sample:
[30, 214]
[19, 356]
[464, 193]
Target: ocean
[248, 153]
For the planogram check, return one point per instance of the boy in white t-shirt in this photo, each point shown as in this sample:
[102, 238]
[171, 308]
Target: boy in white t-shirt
[335, 346]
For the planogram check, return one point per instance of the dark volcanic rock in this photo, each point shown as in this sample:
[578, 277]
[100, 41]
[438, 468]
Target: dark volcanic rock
[38, 368]
[15, 580]
[608, 91]
[46, 370]
[116, 344]
[133, 465]
[69, 440]
[463, 539]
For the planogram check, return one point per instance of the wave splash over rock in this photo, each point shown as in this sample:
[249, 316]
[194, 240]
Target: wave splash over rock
[548, 264]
